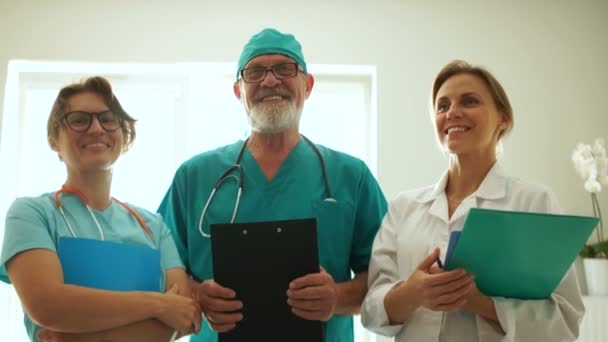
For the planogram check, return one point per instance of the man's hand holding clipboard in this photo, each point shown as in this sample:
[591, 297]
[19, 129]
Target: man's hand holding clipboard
[267, 285]
[313, 296]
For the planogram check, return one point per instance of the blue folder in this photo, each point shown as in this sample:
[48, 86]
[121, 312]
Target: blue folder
[454, 236]
[109, 265]
[518, 254]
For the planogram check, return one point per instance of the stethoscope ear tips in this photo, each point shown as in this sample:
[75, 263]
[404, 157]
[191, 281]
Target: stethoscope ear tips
[329, 199]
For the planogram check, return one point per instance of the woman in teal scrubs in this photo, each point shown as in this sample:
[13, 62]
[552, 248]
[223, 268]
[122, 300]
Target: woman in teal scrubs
[89, 130]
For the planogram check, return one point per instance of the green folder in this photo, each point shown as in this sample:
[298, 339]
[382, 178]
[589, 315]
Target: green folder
[519, 254]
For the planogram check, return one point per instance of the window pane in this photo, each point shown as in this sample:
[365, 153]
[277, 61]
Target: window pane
[143, 174]
[35, 154]
[182, 110]
[336, 115]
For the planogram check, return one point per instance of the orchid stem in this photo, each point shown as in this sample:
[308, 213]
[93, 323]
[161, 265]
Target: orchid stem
[598, 213]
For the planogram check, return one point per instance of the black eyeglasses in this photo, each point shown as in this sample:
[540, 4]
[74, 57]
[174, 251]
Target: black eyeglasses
[80, 121]
[280, 71]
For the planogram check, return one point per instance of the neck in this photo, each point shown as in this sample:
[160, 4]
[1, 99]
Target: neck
[95, 186]
[273, 143]
[270, 150]
[465, 174]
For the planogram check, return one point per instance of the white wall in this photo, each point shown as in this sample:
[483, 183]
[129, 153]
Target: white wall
[550, 56]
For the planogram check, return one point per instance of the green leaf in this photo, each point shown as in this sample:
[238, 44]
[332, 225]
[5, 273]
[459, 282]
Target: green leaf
[601, 249]
[587, 252]
[595, 250]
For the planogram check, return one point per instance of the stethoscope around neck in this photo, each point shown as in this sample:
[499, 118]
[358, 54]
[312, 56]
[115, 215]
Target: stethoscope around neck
[84, 200]
[228, 174]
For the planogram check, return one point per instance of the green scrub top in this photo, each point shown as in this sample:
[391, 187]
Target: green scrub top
[346, 227]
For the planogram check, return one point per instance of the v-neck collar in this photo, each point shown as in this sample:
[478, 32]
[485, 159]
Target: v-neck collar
[253, 172]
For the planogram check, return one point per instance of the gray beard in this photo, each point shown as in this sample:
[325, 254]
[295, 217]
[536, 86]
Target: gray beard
[273, 118]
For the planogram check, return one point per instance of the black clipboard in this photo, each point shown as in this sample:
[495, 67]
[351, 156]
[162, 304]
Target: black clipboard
[258, 261]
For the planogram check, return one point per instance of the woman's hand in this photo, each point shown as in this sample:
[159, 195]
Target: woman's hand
[179, 312]
[47, 335]
[430, 287]
[440, 290]
[480, 304]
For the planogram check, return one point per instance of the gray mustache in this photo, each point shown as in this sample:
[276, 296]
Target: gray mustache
[264, 94]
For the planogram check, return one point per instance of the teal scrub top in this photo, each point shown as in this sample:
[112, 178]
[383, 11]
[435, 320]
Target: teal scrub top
[346, 227]
[35, 222]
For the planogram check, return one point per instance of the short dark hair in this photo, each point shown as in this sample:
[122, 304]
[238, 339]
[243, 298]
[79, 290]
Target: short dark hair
[96, 85]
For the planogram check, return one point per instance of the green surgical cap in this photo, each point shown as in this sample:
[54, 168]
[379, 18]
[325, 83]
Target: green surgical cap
[271, 41]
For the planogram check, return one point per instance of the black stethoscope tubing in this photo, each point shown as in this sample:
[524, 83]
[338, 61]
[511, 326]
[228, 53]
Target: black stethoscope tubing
[240, 182]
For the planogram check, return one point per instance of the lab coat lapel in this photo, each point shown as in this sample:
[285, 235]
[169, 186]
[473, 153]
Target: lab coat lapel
[439, 204]
[493, 187]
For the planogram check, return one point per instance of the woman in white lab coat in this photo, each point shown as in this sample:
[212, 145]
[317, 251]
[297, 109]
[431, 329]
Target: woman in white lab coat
[412, 299]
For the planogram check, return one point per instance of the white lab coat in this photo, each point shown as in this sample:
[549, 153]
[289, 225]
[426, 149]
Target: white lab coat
[417, 222]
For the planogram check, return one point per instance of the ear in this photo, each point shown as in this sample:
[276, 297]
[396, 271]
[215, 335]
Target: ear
[310, 82]
[236, 88]
[502, 121]
[55, 147]
[53, 144]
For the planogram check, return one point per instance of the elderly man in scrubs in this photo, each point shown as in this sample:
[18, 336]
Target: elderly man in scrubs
[285, 176]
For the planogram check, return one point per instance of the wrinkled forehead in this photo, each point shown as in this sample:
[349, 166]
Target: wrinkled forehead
[269, 60]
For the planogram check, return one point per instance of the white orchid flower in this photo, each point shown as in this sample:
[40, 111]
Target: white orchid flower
[591, 163]
[592, 185]
[586, 151]
[587, 168]
[599, 148]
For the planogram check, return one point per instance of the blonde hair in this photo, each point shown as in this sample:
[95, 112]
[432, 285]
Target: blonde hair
[501, 100]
